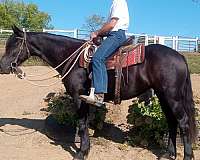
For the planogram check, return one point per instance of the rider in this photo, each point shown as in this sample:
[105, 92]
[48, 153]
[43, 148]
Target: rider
[114, 28]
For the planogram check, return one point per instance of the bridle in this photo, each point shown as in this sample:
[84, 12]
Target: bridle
[74, 56]
[13, 64]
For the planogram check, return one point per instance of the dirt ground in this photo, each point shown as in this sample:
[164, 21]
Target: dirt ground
[22, 135]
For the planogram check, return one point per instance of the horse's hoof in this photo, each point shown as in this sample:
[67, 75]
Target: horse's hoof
[167, 156]
[79, 156]
[172, 156]
[188, 158]
[172, 153]
[76, 158]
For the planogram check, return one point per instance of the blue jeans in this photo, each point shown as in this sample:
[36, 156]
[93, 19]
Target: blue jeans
[108, 47]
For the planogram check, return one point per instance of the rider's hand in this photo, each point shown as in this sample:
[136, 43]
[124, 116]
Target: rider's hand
[93, 35]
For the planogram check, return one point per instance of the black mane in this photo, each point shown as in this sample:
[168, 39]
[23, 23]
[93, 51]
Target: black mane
[57, 37]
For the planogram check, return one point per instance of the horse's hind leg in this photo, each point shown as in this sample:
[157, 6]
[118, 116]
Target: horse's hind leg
[183, 121]
[172, 123]
[172, 127]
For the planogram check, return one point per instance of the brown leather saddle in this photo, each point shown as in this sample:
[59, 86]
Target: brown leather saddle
[127, 55]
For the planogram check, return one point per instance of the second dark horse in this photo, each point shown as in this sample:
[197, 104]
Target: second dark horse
[164, 70]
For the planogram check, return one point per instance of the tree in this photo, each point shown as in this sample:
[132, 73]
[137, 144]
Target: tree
[94, 22]
[24, 15]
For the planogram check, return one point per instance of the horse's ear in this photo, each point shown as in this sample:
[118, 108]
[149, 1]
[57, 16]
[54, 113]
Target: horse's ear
[17, 31]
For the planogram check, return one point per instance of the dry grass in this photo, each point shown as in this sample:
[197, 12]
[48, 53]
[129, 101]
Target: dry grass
[193, 62]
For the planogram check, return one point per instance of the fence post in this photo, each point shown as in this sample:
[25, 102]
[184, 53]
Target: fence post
[155, 39]
[75, 33]
[176, 43]
[146, 40]
[197, 45]
[1, 31]
[161, 40]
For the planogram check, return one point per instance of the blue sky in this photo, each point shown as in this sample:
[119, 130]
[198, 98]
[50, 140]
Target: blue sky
[154, 17]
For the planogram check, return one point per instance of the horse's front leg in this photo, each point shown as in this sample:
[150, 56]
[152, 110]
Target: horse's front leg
[76, 83]
[85, 142]
[83, 112]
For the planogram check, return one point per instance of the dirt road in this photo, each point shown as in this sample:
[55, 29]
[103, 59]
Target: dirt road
[22, 123]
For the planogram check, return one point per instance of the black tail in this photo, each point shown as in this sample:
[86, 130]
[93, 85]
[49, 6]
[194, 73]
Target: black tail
[189, 106]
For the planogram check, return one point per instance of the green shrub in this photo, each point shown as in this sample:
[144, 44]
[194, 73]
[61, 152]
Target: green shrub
[149, 123]
[63, 109]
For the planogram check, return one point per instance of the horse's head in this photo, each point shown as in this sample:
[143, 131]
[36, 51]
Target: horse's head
[16, 51]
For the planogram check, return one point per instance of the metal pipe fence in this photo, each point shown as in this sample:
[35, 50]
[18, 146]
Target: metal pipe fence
[186, 44]
[178, 43]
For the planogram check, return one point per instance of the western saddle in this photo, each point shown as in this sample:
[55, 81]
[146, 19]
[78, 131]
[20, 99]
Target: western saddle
[127, 55]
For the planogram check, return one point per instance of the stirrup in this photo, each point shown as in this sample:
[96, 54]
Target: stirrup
[92, 99]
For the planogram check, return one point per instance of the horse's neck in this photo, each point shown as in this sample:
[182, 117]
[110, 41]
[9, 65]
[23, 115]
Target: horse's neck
[55, 49]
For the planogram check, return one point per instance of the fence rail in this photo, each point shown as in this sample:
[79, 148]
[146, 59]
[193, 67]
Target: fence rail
[176, 42]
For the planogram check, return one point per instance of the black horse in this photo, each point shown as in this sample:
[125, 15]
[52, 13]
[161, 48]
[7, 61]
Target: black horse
[164, 70]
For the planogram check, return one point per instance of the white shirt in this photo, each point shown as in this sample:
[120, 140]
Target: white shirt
[119, 9]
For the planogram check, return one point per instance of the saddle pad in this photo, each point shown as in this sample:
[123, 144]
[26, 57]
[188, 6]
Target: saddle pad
[129, 55]
[135, 54]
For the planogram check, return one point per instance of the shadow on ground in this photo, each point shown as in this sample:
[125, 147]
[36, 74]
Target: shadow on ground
[64, 135]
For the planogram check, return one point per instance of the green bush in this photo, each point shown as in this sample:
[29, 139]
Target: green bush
[63, 109]
[149, 123]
